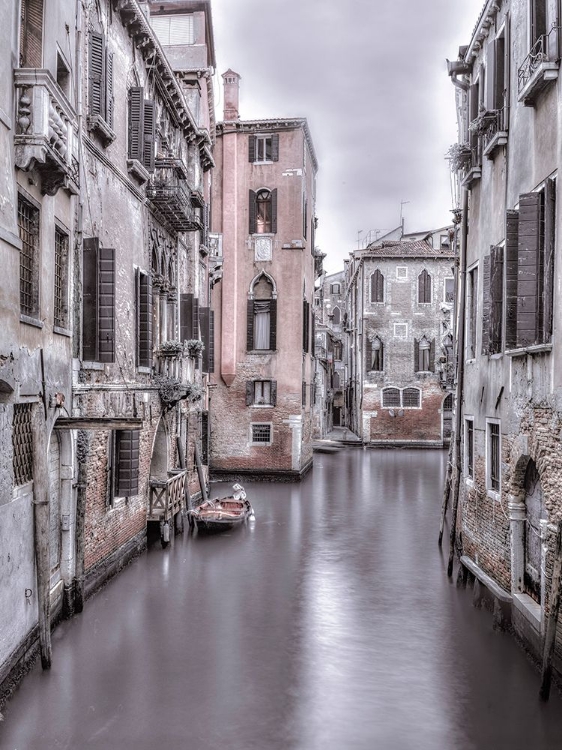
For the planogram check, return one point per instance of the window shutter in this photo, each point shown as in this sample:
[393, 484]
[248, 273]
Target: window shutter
[195, 318]
[252, 148]
[252, 211]
[211, 340]
[274, 211]
[250, 326]
[273, 325]
[421, 288]
[549, 234]
[511, 253]
[305, 330]
[538, 20]
[491, 75]
[96, 73]
[186, 317]
[106, 305]
[486, 305]
[528, 268]
[274, 393]
[149, 135]
[249, 392]
[499, 64]
[109, 89]
[368, 354]
[144, 320]
[496, 294]
[204, 320]
[432, 355]
[31, 40]
[381, 357]
[275, 147]
[427, 286]
[304, 217]
[127, 468]
[90, 299]
[136, 111]
[416, 355]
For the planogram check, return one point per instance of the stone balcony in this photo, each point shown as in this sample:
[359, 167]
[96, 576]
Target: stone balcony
[46, 139]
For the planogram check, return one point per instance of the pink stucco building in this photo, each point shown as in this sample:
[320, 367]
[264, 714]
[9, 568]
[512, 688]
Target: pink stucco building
[263, 216]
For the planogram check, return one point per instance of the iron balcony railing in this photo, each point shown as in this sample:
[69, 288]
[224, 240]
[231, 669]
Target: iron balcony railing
[494, 123]
[172, 197]
[544, 50]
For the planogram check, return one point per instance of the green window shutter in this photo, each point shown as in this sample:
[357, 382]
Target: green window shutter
[149, 135]
[275, 147]
[511, 253]
[195, 318]
[252, 148]
[528, 269]
[127, 454]
[136, 112]
[274, 211]
[109, 104]
[273, 325]
[90, 299]
[205, 438]
[96, 74]
[252, 211]
[106, 305]
[487, 301]
[250, 325]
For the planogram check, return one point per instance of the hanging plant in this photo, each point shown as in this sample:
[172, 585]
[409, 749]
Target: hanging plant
[459, 156]
[194, 347]
[194, 392]
[170, 390]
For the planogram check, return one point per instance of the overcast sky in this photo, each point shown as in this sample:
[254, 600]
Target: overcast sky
[370, 77]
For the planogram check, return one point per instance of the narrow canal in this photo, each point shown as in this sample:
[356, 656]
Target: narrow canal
[329, 624]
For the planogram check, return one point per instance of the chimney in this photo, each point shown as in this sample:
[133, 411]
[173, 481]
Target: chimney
[231, 95]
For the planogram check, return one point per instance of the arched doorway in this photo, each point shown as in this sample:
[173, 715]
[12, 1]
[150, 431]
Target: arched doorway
[535, 512]
[159, 461]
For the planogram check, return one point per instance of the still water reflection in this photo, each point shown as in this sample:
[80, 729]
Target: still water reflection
[328, 624]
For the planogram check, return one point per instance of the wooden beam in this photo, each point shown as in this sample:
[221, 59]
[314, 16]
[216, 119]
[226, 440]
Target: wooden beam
[98, 423]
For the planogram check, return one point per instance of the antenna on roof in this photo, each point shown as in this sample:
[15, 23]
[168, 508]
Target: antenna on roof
[402, 204]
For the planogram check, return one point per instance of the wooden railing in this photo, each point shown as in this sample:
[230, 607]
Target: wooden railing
[167, 497]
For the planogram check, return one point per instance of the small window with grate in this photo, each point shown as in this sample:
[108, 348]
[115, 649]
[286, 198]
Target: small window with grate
[261, 433]
[411, 398]
[28, 225]
[61, 278]
[469, 449]
[493, 463]
[22, 443]
[391, 397]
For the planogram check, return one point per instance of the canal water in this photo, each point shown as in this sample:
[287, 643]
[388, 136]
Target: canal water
[327, 624]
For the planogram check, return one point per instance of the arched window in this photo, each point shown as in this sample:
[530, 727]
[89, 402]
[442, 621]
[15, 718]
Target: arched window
[411, 398]
[375, 355]
[424, 287]
[448, 402]
[263, 211]
[391, 397]
[262, 317]
[336, 316]
[377, 286]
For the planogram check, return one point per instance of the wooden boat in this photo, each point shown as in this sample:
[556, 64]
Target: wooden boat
[223, 513]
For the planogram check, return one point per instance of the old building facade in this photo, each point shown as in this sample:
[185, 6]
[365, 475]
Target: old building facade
[264, 213]
[507, 160]
[399, 302]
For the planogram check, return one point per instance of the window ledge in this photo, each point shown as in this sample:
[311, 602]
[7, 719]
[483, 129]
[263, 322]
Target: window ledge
[28, 320]
[261, 406]
[499, 139]
[472, 176]
[535, 349]
[266, 161]
[262, 351]
[62, 331]
[542, 76]
[93, 366]
[493, 494]
[145, 370]
[137, 170]
[98, 125]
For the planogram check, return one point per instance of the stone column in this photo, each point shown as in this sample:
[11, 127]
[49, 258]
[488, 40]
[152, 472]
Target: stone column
[517, 518]
[295, 423]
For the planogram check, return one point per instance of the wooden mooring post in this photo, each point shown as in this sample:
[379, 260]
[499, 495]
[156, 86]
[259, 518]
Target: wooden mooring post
[200, 473]
[446, 490]
[550, 637]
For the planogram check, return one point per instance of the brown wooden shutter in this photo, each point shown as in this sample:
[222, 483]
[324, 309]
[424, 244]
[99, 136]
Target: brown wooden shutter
[416, 355]
[274, 211]
[149, 135]
[211, 341]
[368, 354]
[250, 325]
[90, 299]
[381, 357]
[186, 317]
[273, 393]
[275, 147]
[127, 446]
[377, 289]
[511, 253]
[499, 65]
[249, 392]
[204, 321]
[96, 74]
[31, 34]
[432, 355]
[106, 305]
[548, 272]
[252, 211]
[195, 318]
[145, 320]
[304, 218]
[528, 269]
[496, 299]
[486, 305]
[304, 394]
[304, 326]
[273, 325]
[490, 93]
[136, 112]
[109, 105]
[252, 148]
[538, 20]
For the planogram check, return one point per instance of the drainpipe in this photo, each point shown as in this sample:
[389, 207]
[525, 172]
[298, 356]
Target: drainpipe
[460, 377]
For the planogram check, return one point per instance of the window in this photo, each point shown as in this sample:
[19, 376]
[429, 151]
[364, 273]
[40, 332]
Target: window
[375, 354]
[174, 30]
[261, 433]
[100, 81]
[28, 224]
[444, 241]
[126, 463]
[304, 217]
[449, 290]
[263, 211]
[262, 317]
[401, 273]
[142, 128]
[205, 428]
[31, 34]
[335, 289]
[144, 318]
[261, 393]
[400, 330]
[336, 316]
[305, 325]
[303, 393]
[472, 309]
[493, 462]
[61, 279]
[469, 448]
[408, 398]
[497, 81]
[537, 20]
[22, 444]
[98, 302]
[492, 308]
[263, 148]
[207, 326]
[424, 355]
[377, 286]
[424, 287]
[529, 251]
[63, 76]
[337, 351]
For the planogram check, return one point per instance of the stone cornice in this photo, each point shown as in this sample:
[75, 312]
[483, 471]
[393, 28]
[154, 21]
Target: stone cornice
[482, 28]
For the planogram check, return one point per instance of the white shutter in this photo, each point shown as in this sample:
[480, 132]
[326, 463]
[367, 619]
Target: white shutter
[174, 30]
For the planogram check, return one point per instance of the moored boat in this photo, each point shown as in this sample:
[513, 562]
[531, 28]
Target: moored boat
[222, 514]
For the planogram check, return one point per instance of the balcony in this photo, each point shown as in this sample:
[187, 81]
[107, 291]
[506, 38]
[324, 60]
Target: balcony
[171, 198]
[45, 137]
[473, 167]
[539, 68]
[494, 131]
